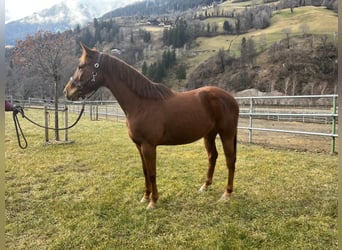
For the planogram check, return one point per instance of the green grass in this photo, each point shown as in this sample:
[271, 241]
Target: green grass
[86, 195]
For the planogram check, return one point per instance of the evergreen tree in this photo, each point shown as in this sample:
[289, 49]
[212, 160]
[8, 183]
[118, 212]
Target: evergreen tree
[97, 36]
[227, 27]
[166, 59]
[161, 72]
[181, 72]
[251, 51]
[178, 35]
[144, 69]
[87, 38]
[208, 27]
[132, 37]
[151, 72]
[173, 56]
[147, 36]
[77, 29]
[95, 23]
[243, 52]
[238, 24]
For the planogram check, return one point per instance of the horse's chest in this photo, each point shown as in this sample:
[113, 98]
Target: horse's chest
[145, 131]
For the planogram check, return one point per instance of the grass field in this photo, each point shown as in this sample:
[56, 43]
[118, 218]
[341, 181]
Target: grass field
[85, 195]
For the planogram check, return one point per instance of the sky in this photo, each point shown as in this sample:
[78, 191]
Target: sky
[16, 9]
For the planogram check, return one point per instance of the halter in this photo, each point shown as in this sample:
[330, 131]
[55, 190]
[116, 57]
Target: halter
[92, 78]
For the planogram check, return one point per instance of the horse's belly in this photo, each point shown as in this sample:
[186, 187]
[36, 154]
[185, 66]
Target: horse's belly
[177, 132]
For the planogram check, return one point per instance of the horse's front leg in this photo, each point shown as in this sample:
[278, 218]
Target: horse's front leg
[149, 153]
[148, 187]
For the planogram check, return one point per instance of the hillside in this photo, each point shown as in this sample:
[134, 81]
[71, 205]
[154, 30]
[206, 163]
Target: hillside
[309, 66]
[301, 70]
[313, 44]
[292, 50]
[309, 19]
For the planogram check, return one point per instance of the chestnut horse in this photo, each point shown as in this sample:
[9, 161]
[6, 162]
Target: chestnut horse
[158, 116]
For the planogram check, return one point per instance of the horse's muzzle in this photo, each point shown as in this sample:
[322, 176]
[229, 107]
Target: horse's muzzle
[71, 92]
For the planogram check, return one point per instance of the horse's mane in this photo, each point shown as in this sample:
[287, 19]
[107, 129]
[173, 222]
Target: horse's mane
[134, 80]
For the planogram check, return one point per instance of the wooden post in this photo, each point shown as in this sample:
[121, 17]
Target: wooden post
[91, 112]
[250, 134]
[46, 114]
[66, 122]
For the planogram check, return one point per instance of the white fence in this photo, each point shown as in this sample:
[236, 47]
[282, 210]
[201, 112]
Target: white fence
[305, 109]
[313, 109]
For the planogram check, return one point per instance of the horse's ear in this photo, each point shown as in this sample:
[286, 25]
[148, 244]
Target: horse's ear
[84, 47]
[86, 52]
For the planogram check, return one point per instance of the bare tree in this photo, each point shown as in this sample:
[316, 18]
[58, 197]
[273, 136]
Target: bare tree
[287, 32]
[42, 55]
[324, 39]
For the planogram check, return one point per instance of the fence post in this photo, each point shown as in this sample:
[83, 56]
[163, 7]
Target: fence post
[333, 129]
[91, 112]
[250, 134]
[66, 122]
[46, 113]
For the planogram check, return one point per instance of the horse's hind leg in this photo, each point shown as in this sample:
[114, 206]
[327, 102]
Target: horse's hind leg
[209, 142]
[229, 147]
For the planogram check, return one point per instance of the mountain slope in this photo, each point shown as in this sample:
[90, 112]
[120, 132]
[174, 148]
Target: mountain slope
[60, 17]
[156, 7]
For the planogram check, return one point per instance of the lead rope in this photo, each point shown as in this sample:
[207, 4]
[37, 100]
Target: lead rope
[41, 126]
[20, 132]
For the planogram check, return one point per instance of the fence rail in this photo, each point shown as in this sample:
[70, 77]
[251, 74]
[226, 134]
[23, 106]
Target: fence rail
[321, 109]
[288, 108]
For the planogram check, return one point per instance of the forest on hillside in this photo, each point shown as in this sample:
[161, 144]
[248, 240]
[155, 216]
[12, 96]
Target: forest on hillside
[301, 68]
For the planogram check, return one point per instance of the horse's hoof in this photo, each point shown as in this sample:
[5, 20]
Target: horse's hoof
[204, 188]
[151, 206]
[226, 196]
[144, 200]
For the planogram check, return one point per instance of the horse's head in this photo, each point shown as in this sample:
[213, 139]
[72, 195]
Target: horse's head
[86, 78]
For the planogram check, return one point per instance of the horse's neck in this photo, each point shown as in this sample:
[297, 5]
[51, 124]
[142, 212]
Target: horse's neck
[127, 99]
